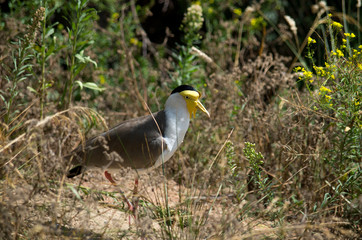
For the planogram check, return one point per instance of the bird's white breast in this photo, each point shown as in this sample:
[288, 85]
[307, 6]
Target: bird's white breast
[177, 123]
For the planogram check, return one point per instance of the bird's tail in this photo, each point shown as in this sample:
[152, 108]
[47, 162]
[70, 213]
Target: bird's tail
[75, 171]
[74, 158]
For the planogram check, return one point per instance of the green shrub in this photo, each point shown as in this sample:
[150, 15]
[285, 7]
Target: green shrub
[336, 93]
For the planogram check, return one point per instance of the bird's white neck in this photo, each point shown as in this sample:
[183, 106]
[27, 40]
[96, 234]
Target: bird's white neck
[177, 123]
[178, 120]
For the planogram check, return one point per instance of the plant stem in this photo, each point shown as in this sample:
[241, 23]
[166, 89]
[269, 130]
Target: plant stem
[42, 87]
[74, 52]
[71, 79]
[68, 89]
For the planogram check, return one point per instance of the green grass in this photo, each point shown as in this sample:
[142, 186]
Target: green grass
[278, 159]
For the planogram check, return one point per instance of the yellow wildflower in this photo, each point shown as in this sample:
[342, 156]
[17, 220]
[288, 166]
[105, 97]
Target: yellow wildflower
[339, 53]
[328, 98]
[253, 21]
[351, 35]
[307, 74]
[237, 11]
[319, 71]
[114, 17]
[311, 40]
[337, 25]
[134, 41]
[257, 23]
[102, 79]
[297, 68]
[324, 89]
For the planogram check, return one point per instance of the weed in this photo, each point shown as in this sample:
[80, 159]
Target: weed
[329, 87]
[19, 71]
[79, 32]
[191, 25]
[335, 91]
[21, 57]
[47, 47]
[255, 161]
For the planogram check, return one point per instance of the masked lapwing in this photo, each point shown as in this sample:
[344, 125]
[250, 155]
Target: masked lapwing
[141, 143]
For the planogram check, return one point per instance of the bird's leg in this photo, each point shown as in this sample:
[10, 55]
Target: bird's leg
[135, 189]
[135, 194]
[109, 177]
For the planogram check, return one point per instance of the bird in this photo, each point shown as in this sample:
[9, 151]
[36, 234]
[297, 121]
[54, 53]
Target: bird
[142, 143]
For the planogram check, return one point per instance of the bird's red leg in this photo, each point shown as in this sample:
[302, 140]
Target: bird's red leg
[135, 190]
[135, 194]
[109, 177]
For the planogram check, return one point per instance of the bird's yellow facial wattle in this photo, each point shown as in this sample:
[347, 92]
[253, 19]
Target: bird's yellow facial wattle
[193, 103]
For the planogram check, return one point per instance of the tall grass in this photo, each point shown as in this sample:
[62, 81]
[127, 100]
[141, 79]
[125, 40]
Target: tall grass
[279, 158]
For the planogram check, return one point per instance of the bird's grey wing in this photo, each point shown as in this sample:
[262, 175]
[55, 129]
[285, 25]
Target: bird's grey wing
[139, 144]
[135, 143]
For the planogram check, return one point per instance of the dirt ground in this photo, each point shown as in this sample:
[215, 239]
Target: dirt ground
[104, 219]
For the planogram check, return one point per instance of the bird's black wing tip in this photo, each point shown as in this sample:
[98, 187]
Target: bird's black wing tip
[75, 171]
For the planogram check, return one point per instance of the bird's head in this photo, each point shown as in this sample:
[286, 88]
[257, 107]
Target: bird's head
[192, 99]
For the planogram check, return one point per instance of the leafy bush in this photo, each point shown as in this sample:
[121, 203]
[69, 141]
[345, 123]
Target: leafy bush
[335, 90]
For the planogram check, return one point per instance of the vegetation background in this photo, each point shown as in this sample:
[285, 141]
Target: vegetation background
[280, 157]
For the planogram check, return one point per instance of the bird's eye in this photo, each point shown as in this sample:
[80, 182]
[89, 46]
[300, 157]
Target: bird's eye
[187, 97]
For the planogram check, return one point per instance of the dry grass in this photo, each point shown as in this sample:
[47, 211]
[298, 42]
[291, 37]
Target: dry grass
[198, 195]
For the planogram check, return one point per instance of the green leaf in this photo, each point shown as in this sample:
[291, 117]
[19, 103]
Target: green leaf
[89, 85]
[4, 100]
[79, 68]
[75, 192]
[93, 86]
[31, 89]
[85, 59]
[21, 79]
[80, 57]
[80, 84]
[49, 32]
